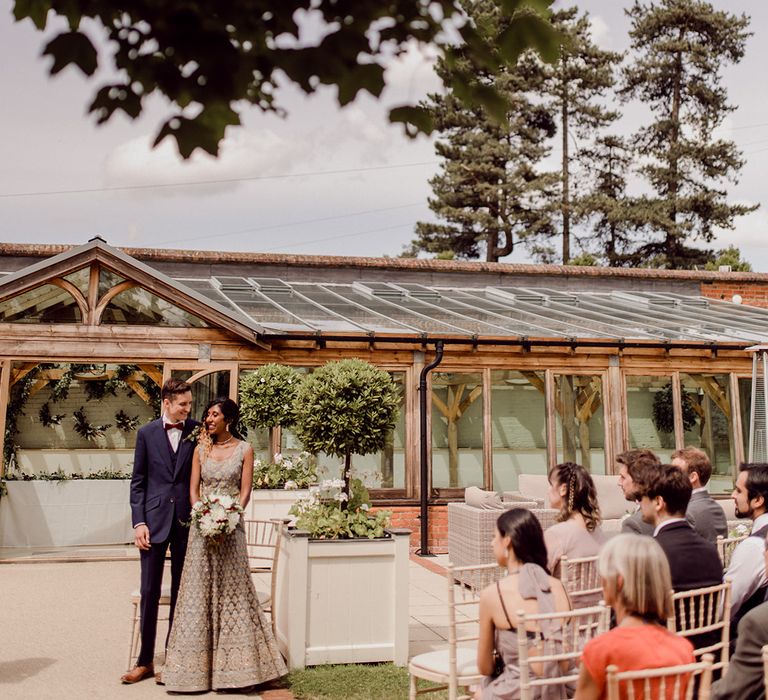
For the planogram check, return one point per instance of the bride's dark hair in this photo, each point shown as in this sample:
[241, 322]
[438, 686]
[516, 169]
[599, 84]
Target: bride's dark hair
[231, 412]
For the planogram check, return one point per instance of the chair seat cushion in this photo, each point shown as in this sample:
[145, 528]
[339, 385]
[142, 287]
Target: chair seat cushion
[437, 662]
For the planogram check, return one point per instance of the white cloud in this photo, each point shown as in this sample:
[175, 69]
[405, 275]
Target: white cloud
[599, 31]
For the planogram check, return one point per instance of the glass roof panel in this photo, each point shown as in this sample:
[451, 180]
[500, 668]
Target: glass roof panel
[140, 307]
[107, 280]
[45, 304]
[80, 278]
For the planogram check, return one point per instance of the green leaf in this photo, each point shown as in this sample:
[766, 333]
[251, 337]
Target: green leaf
[540, 6]
[204, 131]
[72, 47]
[415, 119]
[36, 10]
[529, 30]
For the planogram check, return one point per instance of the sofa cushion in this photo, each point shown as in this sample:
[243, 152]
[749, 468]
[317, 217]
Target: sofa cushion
[485, 500]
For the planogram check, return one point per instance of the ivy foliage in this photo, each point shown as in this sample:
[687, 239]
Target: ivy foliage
[346, 407]
[268, 396]
[209, 59]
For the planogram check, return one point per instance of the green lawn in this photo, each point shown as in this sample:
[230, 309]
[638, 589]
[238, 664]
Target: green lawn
[354, 682]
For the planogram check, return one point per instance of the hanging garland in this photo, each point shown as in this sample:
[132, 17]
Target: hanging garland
[85, 428]
[47, 418]
[125, 422]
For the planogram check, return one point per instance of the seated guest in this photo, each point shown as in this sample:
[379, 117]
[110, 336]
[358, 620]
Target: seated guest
[636, 584]
[747, 567]
[708, 516]
[632, 465]
[744, 678]
[518, 544]
[578, 532]
[693, 562]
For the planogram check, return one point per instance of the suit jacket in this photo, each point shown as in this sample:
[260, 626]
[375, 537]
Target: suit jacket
[693, 561]
[635, 524]
[160, 481]
[744, 679]
[708, 516]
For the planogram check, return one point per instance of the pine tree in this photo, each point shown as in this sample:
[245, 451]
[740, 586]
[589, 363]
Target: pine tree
[575, 84]
[680, 48]
[489, 191]
[611, 214]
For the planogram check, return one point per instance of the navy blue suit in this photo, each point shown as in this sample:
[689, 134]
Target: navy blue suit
[160, 499]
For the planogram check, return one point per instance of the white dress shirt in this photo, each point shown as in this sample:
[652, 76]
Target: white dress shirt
[667, 522]
[174, 434]
[747, 567]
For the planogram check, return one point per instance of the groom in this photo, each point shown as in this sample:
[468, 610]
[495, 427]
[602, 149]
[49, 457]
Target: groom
[159, 506]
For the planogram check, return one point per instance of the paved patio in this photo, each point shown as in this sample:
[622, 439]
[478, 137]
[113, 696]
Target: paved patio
[66, 624]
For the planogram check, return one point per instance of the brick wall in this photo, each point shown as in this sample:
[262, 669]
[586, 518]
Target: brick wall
[752, 293]
[408, 516]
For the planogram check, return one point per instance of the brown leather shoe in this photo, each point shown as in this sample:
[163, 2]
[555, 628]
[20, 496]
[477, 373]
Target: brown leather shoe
[138, 673]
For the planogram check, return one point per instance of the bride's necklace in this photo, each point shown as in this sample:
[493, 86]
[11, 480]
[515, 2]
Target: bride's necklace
[228, 440]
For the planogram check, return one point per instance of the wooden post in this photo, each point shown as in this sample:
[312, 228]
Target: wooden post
[5, 383]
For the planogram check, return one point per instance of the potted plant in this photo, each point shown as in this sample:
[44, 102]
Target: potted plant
[341, 557]
[267, 400]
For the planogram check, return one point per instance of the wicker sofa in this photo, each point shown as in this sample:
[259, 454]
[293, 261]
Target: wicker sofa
[470, 530]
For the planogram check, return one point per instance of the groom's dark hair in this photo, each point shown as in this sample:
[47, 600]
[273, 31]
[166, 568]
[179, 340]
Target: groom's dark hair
[174, 387]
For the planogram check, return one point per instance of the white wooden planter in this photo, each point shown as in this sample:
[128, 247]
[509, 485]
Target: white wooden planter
[62, 513]
[266, 504]
[342, 601]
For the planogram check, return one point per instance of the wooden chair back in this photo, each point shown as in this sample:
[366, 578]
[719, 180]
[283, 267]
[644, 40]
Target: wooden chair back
[667, 683]
[550, 649]
[464, 585]
[765, 669]
[705, 612]
[262, 539]
[725, 547]
[581, 580]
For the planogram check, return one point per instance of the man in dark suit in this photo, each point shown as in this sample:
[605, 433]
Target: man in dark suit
[744, 678]
[632, 467]
[693, 562]
[708, 515]
[159, 508]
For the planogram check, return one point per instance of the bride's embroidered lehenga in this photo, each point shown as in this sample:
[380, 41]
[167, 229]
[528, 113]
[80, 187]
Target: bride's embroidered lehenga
[220, 637]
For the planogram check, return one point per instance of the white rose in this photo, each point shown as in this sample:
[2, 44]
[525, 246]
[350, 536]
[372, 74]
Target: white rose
[290, 485]
[233, 518]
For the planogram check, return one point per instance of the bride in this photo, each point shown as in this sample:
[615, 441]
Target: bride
[220, 638]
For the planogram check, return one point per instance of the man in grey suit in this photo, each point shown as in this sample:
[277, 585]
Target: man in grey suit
[744, 679]
[708, 517]
[632, 467]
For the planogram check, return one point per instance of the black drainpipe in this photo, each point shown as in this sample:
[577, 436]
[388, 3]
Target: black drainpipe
[424, 476]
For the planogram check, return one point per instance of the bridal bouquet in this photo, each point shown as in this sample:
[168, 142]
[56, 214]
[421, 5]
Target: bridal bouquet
[216, 515]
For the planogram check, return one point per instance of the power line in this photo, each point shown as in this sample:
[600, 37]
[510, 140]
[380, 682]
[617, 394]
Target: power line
[334, 238]
[165, 185]
[291, 223]
[748, 126]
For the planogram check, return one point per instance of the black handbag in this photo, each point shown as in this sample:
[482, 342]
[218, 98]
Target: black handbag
[498, 664]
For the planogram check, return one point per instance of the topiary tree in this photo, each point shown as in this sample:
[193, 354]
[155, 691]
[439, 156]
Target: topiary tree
[344, 408]
[268, 397]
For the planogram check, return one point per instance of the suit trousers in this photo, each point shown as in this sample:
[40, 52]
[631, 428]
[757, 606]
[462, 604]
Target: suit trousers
[152, 567]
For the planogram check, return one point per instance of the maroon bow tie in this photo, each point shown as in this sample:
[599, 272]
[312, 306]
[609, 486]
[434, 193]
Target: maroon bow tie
[174, 426]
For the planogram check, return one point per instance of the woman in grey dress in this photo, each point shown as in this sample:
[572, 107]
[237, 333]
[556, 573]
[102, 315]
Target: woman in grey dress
[518, 544]
[220, 638]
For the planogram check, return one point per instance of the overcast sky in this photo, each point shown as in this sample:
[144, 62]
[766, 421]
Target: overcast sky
[322, 181]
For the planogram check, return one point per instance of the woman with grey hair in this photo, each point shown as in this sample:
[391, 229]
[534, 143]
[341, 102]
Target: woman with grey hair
[638, 586]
